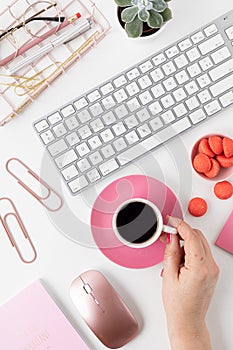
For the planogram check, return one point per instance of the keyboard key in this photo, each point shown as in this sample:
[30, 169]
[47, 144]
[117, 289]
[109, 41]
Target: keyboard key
[222, 86]
[172, 51]
[84, 132]
[96, 109]
[107, 89]
[131, 122]
[181, 61]
[97, 125]
[72, 123]
[143, 115]
[108, 167]
[119, 129]
[169, 84]
[146, 66]
[119, 144]
[145, 98]
[144, 82]
[158, 90]
[83, 165]
[203, 81]
[192, 103]
[121, 111]
[210, 30]
[180, 110]
[120, 95]
[107, 151]
[70, 172]
[157, 75]
[94, 96]
[67, 111]
[191, 88]
[120, 81]
[133, 104]
[159, 59]
[72, 139]
[156, 124]
[79, 104]
[211, 44]
[144, 130]
[94, 142]
[229, 32]
[155, 108]
[66, 158]
[221, 55]
[93, 175]
[83, 149]
[96, 158]
[84, 116]
[204, 96]
[59, 130]
[41, 126]
[185, 44]
[182, 77]
[226, 99]
[193, 54]
[222, 70]
[206, 63]
[57, 148]
[54, 118]
[194, 70]
[108, 102]
[133, 74]
[168, 117]
[197, 116]
[197, 37]
[107, 135]
[212, 108]
[167, 101]
[132, 89]
[78, 184]
[169, 68]
[131, 137]
[109, 118]
[179, 94]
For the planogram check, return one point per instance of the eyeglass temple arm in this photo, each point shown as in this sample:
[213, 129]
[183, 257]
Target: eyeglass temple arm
[49, 19]
[20, 25]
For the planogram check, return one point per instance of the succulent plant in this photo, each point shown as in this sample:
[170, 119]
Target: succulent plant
[138, 12]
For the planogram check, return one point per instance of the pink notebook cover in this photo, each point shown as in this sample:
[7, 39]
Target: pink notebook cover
[32, 321]
[225, 239]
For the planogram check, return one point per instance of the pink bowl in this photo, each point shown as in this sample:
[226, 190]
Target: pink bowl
[224, 173]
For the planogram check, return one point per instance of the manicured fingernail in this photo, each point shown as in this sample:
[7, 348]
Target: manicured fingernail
[169, 238]
[161, 273]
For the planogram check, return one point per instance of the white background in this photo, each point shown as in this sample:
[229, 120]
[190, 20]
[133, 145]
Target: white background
[60, 260]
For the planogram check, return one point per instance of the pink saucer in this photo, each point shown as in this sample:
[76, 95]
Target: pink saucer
[134, 186]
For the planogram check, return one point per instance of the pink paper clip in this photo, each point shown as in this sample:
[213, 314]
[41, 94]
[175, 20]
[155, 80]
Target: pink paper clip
[15, 214]
[41, 199]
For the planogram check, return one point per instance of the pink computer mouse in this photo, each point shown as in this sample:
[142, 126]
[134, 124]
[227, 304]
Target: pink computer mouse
[103, 309]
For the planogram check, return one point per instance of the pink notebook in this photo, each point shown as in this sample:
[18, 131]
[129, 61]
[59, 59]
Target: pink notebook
[32, 320]
[225, 239]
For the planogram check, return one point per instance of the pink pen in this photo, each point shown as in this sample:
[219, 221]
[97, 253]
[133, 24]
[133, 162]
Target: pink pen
[37, 41]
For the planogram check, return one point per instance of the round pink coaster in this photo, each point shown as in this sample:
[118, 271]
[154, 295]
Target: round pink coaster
[134, 186]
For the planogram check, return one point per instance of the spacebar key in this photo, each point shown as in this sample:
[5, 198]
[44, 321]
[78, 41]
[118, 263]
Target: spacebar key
[154, 141]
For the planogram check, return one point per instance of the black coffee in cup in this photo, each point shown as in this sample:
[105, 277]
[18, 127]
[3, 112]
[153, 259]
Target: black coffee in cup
[136, 222]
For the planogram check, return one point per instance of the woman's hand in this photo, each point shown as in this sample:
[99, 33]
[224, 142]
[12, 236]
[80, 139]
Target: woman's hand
[189, 278]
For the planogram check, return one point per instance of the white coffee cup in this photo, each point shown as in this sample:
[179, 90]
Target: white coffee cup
[150, 214]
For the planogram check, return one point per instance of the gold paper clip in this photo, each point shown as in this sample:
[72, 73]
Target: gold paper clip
[15, 214]
[49, 190]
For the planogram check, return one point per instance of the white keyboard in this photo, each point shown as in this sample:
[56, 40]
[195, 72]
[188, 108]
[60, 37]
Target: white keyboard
[141, 108]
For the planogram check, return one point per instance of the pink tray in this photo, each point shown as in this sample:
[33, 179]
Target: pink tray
[134, 186]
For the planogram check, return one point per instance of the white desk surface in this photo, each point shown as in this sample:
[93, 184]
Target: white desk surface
[59, 259]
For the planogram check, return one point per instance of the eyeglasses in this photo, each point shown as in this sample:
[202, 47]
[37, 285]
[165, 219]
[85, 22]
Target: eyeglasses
[33, 24]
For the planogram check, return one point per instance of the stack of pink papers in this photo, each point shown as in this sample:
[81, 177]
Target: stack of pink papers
[225, 239]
